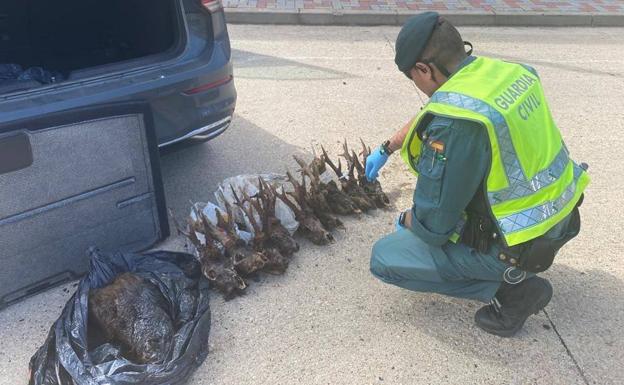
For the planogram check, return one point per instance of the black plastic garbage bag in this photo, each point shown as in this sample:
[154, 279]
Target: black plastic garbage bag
[41, 75]
[67, 357]
[10, 71]
[17, 72]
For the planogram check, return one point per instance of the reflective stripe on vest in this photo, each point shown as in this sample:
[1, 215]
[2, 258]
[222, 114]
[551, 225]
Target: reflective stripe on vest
[519, 186]
[534, 215]
[502, 96]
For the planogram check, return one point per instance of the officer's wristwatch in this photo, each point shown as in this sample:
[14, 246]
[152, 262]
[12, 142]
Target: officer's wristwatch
[385, 148]
[402, 218]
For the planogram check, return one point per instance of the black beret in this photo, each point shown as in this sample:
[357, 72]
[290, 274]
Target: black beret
[413, 39]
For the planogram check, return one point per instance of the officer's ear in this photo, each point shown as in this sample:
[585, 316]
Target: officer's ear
[421, 69]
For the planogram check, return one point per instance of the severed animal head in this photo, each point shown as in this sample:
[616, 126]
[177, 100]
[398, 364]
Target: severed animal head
[208, 248]
[224, 278]
[351, 186]
[252, 263]
[310, 225]
[329, 221]
[340, 202]
[259, 228]
[277, 234]
[281, 238]
[277, 263]
[132, 312]
[315, 232]
[372, 188]
[268, 232]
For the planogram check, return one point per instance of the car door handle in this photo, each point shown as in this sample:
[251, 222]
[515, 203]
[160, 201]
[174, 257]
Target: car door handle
[15, 152]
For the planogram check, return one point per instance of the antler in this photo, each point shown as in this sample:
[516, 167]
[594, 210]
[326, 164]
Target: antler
[357, 164]
[366, 151]
[228, 208]
[304, 190]
[192, 236]
[221, 222]
[306, 169]
[313, 150]
[227, 225]
[337, 170]
[248, 212]
[351, 159]
[312, 172]
[318, 163]
[346, 152]
[209, 230]
[261, 204]
[236, 198]
[284, 198]
[260, 187]
[351, 168]
[267, 198]
[300, 190]
[270, 201]
[257, 227]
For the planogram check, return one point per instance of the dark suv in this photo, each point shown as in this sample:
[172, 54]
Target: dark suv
[67, 54]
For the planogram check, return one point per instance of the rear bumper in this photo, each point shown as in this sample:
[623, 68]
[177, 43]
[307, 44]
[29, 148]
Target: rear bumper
[204, 133]
[179, 115]
[196, 98]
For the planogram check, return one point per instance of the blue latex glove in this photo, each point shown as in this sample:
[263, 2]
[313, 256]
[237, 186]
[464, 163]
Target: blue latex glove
[374, 162]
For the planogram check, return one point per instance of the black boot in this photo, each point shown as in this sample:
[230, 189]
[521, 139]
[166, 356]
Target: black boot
[512, 305]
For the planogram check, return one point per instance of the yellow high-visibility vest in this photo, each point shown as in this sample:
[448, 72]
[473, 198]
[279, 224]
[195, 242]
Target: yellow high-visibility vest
[532, 183]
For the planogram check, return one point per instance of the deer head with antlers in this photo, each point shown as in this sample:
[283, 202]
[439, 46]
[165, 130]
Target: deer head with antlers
[216, 267]
[371, 188]
[274, 261]
[309, 224]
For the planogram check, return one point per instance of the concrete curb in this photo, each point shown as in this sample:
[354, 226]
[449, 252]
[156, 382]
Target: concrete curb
[368, 18]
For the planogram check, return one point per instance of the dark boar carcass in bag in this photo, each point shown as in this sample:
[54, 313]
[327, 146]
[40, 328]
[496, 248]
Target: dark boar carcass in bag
[132, 312]
[166, 351]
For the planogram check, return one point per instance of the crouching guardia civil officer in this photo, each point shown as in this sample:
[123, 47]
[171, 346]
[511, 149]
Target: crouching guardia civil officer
[497, 194]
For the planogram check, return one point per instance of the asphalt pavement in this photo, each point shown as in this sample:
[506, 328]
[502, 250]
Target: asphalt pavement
[327, 320]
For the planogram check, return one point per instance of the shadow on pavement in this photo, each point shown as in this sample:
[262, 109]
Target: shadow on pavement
[585, 309]
[252, 65]
[191, 173]
[588, 69]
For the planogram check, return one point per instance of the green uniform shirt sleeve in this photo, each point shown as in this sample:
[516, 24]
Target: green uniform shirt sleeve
[448, 179]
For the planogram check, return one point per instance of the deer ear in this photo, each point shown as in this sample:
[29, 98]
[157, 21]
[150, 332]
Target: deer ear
[211, 275]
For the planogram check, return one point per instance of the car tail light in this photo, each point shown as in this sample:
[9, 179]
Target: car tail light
[205, 87]
[212, 5]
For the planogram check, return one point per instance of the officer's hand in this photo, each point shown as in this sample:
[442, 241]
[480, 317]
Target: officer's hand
[374, 162]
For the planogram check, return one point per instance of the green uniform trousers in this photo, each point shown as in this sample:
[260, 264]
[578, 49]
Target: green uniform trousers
[404, 260]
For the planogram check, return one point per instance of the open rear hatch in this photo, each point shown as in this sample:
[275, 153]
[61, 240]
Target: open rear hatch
[45, 42]
[89, 177]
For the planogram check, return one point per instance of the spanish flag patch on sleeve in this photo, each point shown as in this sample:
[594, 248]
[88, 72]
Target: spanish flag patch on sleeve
[437, 145]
